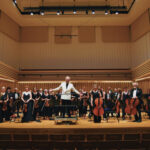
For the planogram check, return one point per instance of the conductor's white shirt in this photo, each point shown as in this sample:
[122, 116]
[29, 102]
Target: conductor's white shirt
[66, 91]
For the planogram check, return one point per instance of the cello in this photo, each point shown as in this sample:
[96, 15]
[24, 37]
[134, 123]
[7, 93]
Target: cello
[98, 110]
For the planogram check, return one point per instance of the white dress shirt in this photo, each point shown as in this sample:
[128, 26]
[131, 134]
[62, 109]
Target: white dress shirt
[66, 91]
[134, 93]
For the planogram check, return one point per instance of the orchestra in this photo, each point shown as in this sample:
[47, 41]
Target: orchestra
[97, 103]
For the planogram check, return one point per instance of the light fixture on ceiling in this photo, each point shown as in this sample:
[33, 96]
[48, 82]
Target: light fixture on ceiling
[93, 12]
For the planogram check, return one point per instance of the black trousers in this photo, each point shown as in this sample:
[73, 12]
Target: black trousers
[138, 116]
[66, 107]
[97, 119]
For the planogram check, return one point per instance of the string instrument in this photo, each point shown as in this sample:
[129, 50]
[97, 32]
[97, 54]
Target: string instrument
[98, 110]
[117, 106]
[4, 108]
[148, 104]
[25, 107]
[134, 102]
[46, 103]
[11, 102]
[128, 107]
[84, 100]
[36, 103]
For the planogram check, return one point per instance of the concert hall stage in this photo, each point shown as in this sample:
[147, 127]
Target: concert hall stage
[84, 135]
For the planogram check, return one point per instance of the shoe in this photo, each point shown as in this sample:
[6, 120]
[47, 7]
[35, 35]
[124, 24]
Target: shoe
[135, 121]
[139, 121]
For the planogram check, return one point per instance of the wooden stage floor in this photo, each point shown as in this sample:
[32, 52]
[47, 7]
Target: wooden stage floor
[81, 123]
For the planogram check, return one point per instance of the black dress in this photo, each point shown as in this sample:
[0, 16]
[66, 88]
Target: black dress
[84, 102]
[4, 114]
[27, 116]
[95, 94]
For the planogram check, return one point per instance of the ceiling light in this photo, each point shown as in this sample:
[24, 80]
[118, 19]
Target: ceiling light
[93, 12]
[58, 12]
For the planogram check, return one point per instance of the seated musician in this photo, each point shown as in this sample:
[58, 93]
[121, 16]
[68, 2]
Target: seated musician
[66, 87]
[136, 93]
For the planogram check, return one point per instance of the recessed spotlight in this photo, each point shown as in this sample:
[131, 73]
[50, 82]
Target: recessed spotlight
[58, 13]
[93, 12]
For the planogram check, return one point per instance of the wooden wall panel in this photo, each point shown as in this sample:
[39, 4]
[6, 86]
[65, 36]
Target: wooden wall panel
[86, 34]
[76, 55]
[142, 70]
[115, 34]
[145, 86]
[9, 27]
[140, 26]
[34, 34]
[62, 35]
[78, 85]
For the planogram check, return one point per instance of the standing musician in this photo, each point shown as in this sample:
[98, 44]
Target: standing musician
[16, 97]
[40, 93]
[28, 105]
[148, 104]
[84, 99]
[136, 94]
[3, 105]
[125, 103]
[46, 105]
[66, 87]
[35, 97]
[94, 95]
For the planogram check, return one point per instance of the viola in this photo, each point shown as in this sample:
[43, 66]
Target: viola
[127, 108]
[133, 104]
[98, 110]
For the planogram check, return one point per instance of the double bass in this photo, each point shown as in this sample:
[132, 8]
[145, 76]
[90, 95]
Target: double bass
[98, 110]
[148, 104]
[128, 107]
[134, 102]
[117, 106]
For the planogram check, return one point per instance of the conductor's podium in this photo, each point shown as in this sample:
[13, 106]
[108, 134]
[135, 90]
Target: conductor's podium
[66, 120]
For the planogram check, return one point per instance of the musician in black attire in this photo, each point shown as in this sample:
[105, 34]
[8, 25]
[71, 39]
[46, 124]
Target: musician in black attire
[28, 105]
[137, 93]
[125, 96]
[95, 94]
[57, 104]
[46, 106]
[35, 97]
[17, 103]
[40, 93]
[148, 104]
[3, 105]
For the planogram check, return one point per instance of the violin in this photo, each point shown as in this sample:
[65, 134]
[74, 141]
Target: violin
[127, 108]
[133, 104]
[98, 110]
